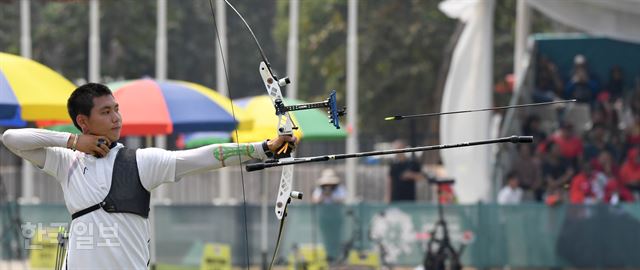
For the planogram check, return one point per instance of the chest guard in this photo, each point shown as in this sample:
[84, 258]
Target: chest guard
[126, 195]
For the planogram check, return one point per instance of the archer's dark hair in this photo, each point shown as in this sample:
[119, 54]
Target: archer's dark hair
[81, 100]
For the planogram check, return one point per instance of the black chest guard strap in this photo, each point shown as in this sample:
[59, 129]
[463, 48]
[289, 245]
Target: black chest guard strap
[126, 195]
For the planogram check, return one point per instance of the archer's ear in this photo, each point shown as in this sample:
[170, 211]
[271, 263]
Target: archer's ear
[83, 122]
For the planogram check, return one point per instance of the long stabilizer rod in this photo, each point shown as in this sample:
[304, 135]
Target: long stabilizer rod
[264, 165]
[400, 117]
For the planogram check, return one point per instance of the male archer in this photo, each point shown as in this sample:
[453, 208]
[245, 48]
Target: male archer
[106, 185]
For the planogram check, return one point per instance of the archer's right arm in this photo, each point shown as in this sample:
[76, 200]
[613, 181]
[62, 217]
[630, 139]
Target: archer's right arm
[30, 143]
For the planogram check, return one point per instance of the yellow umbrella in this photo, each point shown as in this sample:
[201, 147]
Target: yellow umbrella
[265, 120]
[312, 124]
[38, 92]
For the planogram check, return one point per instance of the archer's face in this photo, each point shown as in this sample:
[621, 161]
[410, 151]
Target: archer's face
[105, 119]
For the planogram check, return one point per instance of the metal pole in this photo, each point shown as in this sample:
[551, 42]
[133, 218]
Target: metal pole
[161, 41]
[25, 29]
[352, 98]
[27, 168]
[222, 87]
[161, 74]
[523, 25]
[161, 140]
[94, 41]
[292, 49]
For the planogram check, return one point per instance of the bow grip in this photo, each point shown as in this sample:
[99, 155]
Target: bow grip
[285, 150]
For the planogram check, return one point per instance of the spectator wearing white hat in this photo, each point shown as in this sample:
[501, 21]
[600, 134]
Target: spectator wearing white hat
[328, 197]
[328, 189]
[583, 85]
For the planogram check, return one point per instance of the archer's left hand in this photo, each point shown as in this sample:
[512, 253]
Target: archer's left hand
[283, 144]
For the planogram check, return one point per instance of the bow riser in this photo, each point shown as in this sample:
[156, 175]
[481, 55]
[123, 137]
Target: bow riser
[285, 127]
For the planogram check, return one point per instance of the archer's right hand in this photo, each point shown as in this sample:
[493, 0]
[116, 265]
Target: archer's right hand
[97, 146]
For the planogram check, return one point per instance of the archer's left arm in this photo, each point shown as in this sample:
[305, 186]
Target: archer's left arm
[216, 156]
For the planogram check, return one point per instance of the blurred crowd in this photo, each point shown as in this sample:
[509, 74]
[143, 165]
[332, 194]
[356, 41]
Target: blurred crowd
[585, 152]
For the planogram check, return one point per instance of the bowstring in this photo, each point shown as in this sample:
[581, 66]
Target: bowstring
[226, 74]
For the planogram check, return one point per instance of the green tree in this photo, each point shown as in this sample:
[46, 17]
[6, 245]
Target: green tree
[400, 52]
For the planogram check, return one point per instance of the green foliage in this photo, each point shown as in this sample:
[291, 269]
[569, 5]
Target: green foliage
[400, 51]
[10, 33]
[127, 38]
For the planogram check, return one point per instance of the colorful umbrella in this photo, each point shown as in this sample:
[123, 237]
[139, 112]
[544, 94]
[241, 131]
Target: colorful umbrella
[197, 139]
[313, 124]
[30, 91]
[150, 107]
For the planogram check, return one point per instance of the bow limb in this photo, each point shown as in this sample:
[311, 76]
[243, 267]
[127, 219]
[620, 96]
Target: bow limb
[285, 128]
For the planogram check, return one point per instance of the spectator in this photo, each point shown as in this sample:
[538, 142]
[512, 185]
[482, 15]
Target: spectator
[630, 171]
[510, 193]
[444, 191]
[403, 174]
[605, 114]
[587, 187]
[328, 196]
[631, 111]
[605, 163]
[329, 190]
[633, 132]
[615, 86]
[582, 85]
[527, 168]
[556, 172]
[548, 81]
[615, 191]
[597, 142]
[532, 127]
[569, 144]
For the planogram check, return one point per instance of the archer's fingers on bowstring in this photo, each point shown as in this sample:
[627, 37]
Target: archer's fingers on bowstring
[277, 143]
[288, 145]
[103, 140]
[285, 148]
[289, 141]
[99, 152]
[104, 147]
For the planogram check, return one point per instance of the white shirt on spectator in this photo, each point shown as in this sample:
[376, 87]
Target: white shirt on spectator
[509, 195]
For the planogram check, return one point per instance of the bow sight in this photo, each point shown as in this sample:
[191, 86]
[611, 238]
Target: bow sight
[330, 103]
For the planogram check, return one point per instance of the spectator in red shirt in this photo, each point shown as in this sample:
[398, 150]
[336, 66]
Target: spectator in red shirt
[587, 187]
[630, 171]
[569, 144]
[605, 163]
[614, 190]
